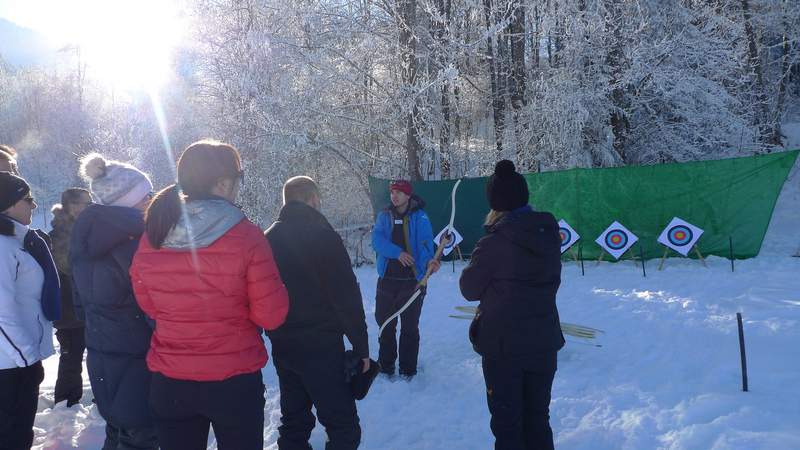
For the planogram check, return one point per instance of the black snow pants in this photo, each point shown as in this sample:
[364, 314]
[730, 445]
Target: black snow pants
[390, 297]
[315, 377]
[184, 410]
[69, 384]
[130, 438]
[518, 393]
[19, 400]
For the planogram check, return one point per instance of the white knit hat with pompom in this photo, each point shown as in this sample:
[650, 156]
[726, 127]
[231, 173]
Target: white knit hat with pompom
[115, 183]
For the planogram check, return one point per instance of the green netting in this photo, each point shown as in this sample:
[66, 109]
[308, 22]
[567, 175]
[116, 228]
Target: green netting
[729, 198]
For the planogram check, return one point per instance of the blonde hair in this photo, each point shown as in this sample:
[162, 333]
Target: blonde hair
[494, 216]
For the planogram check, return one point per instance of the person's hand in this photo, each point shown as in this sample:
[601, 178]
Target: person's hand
[434, 265]
[366, 365]
[446, 238]
[406, 259]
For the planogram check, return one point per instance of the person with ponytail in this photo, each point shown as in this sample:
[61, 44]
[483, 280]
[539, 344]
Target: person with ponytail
[29, 301]
[515, 272]
[102, 243]
[69, 329]
[207, 276]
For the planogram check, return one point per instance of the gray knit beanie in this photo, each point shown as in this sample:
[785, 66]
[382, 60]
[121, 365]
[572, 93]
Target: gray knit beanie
[115, 183]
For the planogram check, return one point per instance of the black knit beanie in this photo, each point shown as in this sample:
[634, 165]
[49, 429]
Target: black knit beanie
[506, 189]
[12, 190]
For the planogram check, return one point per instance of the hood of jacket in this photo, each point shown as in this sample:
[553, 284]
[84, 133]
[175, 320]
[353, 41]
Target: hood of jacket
[103, 228]
[522, 227]
[203, 223]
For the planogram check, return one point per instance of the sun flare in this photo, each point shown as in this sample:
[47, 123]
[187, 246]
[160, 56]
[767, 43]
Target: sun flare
[126, 44]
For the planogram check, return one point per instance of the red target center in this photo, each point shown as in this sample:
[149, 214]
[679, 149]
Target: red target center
[616, 239]
[680, 235]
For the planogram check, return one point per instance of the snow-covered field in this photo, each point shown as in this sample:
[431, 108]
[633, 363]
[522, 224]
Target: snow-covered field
[666, 377]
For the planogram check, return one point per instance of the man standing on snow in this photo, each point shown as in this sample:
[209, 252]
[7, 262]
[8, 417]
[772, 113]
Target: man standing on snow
[324, 304]
[403, 241]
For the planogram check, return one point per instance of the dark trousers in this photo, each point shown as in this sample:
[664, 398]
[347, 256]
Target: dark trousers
[518, 393]
[130, 438]
[315, 378]
[69, 384]
[391, 296]
[19, 399]
[184, 410]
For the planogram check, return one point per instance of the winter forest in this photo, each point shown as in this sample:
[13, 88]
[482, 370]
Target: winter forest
[426, 89]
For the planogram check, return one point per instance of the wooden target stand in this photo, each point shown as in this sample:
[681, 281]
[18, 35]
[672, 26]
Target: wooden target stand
[633, 258]
[456, 250]
[694, 248]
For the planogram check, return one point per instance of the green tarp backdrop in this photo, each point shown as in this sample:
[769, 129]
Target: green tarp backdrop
[727, 198]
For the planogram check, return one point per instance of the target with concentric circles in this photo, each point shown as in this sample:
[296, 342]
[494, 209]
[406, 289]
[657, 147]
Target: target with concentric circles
[680, 235]
[566, 235]
[616, 239]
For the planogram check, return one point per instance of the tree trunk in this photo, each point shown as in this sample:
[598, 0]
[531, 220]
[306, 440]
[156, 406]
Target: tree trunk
[777, 134]
[618, 119]
[495, 64]
[408, 57]
[518, 78]
[761, 112]
[442, 35]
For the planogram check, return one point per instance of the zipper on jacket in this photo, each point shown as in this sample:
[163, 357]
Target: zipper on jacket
[14, 345]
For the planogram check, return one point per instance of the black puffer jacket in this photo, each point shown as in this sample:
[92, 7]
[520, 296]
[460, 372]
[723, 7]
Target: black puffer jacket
[515, 272]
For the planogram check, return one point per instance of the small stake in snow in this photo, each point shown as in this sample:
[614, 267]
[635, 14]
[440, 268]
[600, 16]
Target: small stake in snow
[741, 351]
[580, 256]
[730, 242]
[641, 256]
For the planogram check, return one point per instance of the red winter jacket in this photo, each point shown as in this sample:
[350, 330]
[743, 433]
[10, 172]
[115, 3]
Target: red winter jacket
[208, 317]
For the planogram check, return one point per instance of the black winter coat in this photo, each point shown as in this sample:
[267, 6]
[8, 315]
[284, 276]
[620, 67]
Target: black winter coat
[324, 296]
[515, 272]
[104, 240]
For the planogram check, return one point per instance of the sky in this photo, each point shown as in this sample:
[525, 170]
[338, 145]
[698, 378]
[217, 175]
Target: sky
[125, 43]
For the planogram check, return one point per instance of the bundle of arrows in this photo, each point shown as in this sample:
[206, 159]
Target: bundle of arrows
[570, 329]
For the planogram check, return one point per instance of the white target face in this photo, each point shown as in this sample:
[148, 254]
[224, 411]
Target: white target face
[616, 240]
[680, 236]
[568, 235]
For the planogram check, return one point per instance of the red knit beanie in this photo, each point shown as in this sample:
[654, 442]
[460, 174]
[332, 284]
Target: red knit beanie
[402, 186]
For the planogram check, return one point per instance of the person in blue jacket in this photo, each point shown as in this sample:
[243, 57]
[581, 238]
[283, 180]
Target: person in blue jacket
[104, 238]
[403, 241]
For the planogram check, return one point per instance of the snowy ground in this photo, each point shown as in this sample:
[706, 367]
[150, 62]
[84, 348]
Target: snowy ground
[666, 377]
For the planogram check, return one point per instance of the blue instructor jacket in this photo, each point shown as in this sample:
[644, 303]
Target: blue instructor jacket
[420, 236]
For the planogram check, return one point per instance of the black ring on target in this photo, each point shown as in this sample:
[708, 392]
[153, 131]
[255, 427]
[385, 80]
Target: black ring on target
[680, 235]
[566, 236]
[616, 239]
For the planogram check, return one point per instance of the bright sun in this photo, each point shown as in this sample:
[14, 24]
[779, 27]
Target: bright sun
[126, 44]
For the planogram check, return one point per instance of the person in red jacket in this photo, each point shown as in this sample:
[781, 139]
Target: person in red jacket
[206, 275]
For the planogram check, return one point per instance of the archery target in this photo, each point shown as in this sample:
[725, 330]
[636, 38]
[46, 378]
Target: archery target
[616, 240]
[568, 235]
[680, 236]
[450, 245]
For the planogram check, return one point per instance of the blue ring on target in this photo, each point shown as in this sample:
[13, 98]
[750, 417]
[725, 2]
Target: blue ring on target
[680, 235]
[452, 242]
[616, 239]
[566, 236]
